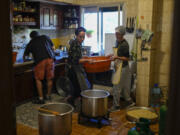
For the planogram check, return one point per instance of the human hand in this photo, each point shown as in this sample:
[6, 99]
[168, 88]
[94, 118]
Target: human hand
[113, 58]
[91, 61]
[110, 55]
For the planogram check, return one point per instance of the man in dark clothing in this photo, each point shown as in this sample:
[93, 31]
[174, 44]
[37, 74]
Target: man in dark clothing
[41, 48]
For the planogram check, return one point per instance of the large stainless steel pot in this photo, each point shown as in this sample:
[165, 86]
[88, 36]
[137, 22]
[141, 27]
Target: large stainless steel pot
[94, 102]
[50, 124]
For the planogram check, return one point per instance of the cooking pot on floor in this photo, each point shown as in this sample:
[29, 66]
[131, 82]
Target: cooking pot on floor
[50, 124]
[94, 103]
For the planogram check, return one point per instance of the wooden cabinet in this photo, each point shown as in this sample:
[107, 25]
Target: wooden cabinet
[57, 18]
[24, 86]
[38, 15]
[50, 17]
[24, 81]
[71, 17]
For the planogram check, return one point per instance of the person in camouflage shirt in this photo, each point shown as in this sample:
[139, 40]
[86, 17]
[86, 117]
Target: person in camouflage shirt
[76, 71]
[74, 53]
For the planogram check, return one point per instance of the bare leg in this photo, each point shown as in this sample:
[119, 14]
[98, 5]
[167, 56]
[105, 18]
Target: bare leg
[49, 85]
[39, 88]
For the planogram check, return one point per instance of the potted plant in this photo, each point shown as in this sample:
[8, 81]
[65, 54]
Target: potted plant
[89, 33]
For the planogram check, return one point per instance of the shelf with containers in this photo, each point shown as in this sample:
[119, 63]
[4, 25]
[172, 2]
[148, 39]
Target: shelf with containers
[26, 13]
[71, 17]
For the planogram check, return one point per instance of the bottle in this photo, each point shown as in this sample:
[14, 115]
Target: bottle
[162, 120]
[74, 12]
[23, 4]
[133, 132]
[155, 96]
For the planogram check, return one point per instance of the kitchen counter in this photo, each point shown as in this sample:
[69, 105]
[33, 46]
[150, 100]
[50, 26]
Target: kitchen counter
[58, 58]
[24, 82]
[23, 66]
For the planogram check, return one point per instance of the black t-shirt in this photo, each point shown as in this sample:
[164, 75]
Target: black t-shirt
[41, 48]
[123, 50]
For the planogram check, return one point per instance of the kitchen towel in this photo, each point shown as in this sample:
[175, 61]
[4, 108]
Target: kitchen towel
[117, 74]
[118, 68]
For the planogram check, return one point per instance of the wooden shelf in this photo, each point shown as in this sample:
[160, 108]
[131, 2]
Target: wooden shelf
[71, 17]
[25, 12]
[25, 23]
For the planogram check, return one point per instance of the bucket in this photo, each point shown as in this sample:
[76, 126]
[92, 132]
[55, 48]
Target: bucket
[14, 57]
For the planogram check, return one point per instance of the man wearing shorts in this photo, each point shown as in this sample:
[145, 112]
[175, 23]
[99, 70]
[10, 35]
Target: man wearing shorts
[41, 48]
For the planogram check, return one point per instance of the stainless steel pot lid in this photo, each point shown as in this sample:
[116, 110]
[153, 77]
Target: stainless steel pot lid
[61, 108]
[95, 93]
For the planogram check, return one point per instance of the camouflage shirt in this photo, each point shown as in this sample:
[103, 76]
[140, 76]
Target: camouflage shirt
[123, 50]
[75, 52]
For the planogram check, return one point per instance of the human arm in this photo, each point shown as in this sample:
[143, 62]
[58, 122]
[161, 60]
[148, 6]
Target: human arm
[51, 43]
[26, 52]
[121, 58]
[75, 55]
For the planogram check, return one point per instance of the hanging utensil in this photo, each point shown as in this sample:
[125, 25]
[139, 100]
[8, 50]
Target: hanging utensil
[127, 23]
[132, 25]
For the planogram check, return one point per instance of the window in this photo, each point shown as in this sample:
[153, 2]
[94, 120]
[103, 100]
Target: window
[100, 20]
[90, 18]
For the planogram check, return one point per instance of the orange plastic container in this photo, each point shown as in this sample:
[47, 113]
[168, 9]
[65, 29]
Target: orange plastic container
[100, 64]
[14, 57]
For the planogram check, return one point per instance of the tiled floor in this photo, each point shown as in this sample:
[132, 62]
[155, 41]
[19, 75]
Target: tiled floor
[118, 126]
[27, 113]
[27, 119]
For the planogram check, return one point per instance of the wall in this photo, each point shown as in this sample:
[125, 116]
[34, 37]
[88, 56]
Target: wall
[20, 38]
[163, 22]
[144, 70]
[131, 5]
[158, 16]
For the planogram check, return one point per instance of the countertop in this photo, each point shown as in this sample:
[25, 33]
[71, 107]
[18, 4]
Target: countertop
[22, 67]
[19, 64]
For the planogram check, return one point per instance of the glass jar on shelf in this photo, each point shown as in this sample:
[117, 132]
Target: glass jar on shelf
[31, 19]
[19, 7]
[15, 7]
[71, 24]
[26, 19]
[20, 18]
[66, 24]
[68, 13]
[74, 14]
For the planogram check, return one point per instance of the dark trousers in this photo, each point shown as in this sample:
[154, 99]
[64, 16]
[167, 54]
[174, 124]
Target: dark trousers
[76, 87]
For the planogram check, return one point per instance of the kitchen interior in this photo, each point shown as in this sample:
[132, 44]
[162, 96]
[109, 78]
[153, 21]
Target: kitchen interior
[58, 19]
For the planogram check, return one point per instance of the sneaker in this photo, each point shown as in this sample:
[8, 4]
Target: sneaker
[114, 108]
[130, 103]
[48, 98]
[38, 101]
[71, 101]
